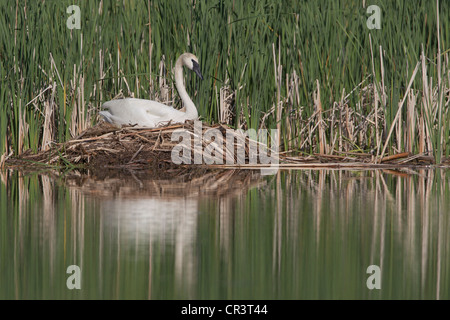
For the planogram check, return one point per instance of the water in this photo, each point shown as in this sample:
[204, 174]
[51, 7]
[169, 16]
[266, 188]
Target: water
[225, 235]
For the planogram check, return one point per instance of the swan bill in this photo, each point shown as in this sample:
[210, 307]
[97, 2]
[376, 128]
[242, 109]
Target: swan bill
[196, 69]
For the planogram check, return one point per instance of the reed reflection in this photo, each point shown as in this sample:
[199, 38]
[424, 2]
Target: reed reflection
[307, 234]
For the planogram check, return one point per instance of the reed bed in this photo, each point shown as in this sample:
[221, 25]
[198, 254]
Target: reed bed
[312, 69]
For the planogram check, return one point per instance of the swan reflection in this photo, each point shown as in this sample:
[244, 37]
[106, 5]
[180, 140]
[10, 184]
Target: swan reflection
[161, 219]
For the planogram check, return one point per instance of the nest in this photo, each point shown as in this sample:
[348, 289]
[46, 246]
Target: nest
[107, 146]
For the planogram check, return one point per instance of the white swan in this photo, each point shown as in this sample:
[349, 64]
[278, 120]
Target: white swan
[152, 114]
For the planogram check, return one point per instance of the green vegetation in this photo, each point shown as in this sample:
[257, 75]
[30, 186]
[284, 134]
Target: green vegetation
[312, 67]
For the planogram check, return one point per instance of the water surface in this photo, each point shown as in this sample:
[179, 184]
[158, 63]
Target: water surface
[307, 234]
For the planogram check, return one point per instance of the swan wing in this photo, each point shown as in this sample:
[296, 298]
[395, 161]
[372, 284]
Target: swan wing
[132, 105]
[146, 113]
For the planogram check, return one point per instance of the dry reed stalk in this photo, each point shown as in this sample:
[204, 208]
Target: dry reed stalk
[3, 158]
[33, 101]
[278, 69]
[397, 116]
[135, 155]
[23, 129]
[439, 88]
[399, 132]
[226, 101]
[150, 50]
[383, 102]
[411, 106]
[331, 156]
[55, 69]
[297, 109]
[339, 122]
[420, 157]
[395, 156]
[164, 92]
[47, 134]
[48, 127]
[320, 123]
[289, 98]
[349, 125]
[309, 128]
[136, 84]
[427, 106]
[376, 98]
[422, 135]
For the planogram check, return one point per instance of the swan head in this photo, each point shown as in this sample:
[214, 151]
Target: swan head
[191, 62]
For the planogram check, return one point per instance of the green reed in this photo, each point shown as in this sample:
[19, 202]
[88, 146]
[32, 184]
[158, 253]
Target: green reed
[265, 55]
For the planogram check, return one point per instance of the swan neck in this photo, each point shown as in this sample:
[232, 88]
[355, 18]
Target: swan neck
[191, 110]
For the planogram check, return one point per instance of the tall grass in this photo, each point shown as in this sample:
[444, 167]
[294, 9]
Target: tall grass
[312, 68]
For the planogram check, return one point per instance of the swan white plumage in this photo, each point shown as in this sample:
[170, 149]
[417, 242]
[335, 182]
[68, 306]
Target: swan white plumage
[152, 114]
